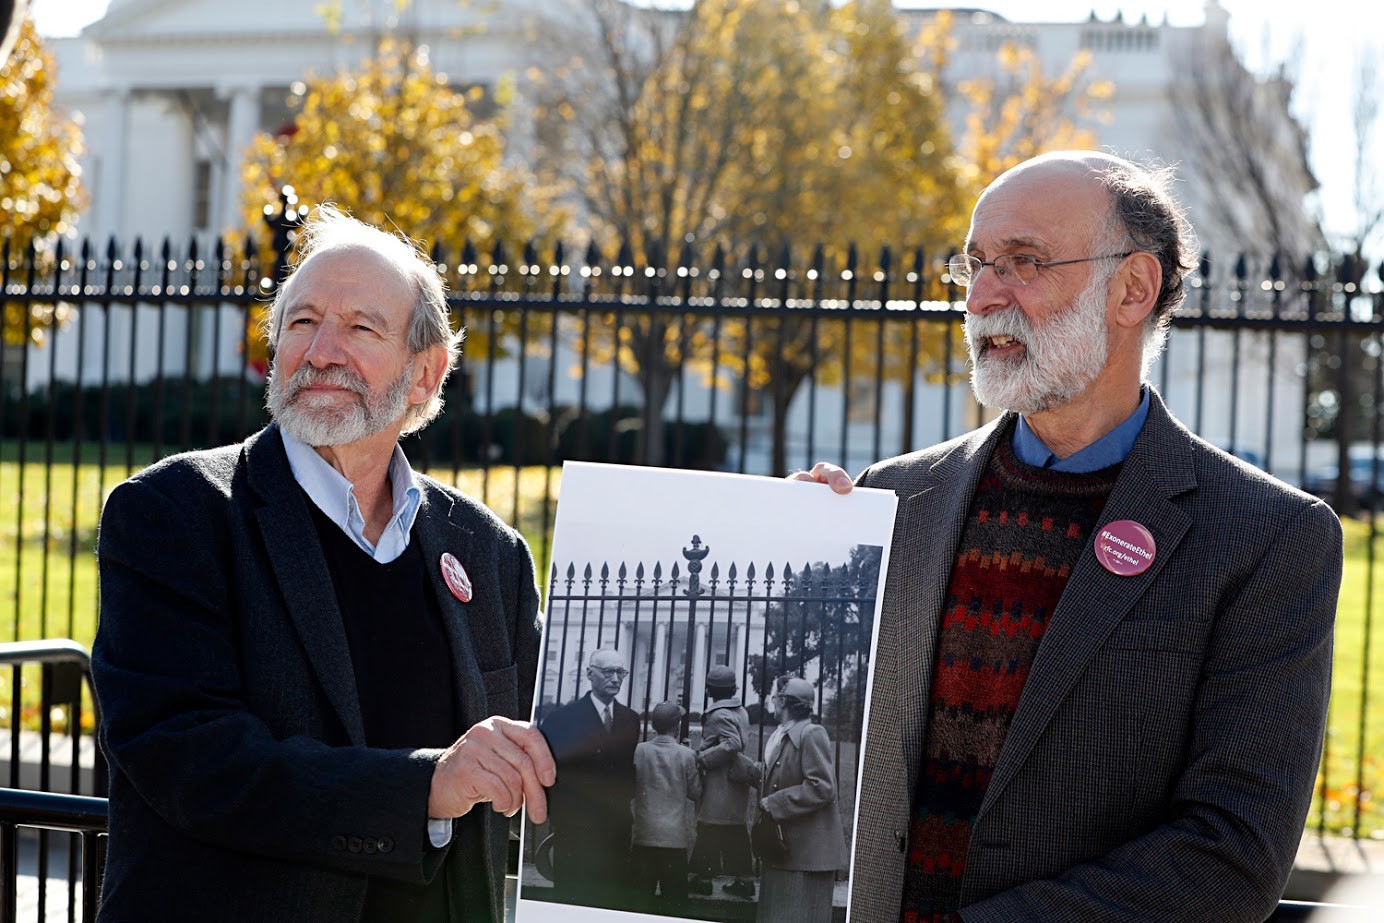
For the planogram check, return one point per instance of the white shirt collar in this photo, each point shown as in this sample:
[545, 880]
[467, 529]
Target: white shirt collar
[335, 496]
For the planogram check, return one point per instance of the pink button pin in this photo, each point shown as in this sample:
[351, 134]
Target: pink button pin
[1125, 548]
[455, 575]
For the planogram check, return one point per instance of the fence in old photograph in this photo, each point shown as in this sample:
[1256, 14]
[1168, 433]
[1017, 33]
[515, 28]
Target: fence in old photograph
[673, 619]
[737, 359]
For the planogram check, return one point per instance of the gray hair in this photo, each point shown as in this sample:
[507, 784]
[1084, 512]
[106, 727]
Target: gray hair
[1145, 213]
[328, 228]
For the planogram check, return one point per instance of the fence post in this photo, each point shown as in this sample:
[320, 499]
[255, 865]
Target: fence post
[694, 555]
[281, 228]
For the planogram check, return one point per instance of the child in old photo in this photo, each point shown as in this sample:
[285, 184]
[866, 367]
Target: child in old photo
[667, 787]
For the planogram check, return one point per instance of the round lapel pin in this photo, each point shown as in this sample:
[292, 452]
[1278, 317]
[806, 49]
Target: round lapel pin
[1125, 548]
[456, 578]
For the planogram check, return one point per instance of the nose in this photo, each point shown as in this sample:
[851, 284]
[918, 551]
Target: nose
[326, 347]
[987, 293]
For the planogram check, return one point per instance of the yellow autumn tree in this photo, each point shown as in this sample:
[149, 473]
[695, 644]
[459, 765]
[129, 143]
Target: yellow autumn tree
[1022, 110]
[750, 123]
[41, 190]
[396, 145]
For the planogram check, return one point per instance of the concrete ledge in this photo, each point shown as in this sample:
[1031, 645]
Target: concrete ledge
[59, 762]
[1333, 868]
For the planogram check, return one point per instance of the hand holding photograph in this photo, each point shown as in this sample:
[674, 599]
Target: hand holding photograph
[704, 686]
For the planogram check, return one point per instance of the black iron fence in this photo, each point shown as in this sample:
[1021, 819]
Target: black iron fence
[730, 359]
[52, 818]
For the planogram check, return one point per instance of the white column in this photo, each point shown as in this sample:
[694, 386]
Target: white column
[660, 681]
[742, 647]
[243, 123]
[697, 681]
[111, 180]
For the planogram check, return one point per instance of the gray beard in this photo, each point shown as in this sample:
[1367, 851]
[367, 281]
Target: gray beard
[331, 424]
[1062, 356]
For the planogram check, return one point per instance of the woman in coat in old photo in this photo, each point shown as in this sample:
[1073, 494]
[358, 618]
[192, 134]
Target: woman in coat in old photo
[799, 795]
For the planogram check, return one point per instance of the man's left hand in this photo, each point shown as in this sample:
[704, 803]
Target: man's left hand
[826, 473]
[500, 761]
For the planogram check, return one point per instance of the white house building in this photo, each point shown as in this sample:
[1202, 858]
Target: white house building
[173, 91]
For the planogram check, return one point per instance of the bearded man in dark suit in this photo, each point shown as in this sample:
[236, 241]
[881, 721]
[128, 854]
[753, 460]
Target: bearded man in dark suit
[592, 739]
[1105, 645]
[310, 658]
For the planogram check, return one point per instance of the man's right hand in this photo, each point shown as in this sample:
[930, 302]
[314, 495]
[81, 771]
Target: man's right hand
[826, 473]
[500, 761]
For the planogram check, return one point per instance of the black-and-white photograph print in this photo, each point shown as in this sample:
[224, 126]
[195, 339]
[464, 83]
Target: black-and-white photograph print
[704, 685]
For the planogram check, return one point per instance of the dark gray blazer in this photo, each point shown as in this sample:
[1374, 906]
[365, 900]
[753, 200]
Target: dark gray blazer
[241, 788]
[1163, 754]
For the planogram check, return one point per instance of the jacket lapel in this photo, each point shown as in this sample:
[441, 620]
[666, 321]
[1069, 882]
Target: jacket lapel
[1158, 468]
[295, 554]
[923, 552]
[436, 534]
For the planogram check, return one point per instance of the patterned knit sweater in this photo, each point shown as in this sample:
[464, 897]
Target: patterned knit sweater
[1025, 531]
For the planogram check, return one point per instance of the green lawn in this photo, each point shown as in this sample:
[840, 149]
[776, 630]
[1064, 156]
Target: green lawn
[48, 533]
[48, 589]
[1350, 789]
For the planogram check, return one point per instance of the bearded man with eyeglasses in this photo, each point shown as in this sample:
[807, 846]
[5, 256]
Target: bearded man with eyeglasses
[592, 739]
[1105, 647]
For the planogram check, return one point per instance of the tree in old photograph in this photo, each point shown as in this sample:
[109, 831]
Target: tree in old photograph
[821, 629]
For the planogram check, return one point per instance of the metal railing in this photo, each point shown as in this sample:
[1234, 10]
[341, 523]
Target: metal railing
[79, 815]
[53, 768]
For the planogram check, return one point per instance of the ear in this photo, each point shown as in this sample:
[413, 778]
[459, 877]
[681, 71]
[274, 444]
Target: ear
[429, 368]
[1134, 290]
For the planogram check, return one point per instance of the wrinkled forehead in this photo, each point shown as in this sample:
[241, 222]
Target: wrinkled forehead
[1047, 207]
[335, 265]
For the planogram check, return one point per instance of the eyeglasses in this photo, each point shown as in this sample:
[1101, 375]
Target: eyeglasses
[612, 672]
[1012, 268]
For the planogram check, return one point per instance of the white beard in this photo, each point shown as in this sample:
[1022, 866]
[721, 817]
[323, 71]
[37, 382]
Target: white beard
[1061, 356]
[326, 421]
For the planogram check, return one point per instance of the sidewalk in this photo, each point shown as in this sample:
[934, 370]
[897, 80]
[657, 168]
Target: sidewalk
[1324, 863]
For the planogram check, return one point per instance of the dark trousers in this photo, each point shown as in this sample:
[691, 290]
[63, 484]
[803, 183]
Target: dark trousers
[722, 849]
[594, 871]
[662, 871]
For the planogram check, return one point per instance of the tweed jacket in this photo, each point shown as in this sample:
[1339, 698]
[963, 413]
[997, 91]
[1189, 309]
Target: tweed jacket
[800, 794]
[241, 788]
[1162, 757]
[725, 728]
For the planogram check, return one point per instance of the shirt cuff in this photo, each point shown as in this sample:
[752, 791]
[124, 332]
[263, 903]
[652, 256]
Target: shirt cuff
[439, 831]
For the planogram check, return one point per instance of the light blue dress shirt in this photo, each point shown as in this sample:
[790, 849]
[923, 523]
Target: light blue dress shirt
[336, 497]
[1110, 449]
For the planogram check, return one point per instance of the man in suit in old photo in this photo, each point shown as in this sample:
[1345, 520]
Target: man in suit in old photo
[1105, 645]
[592, 739]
